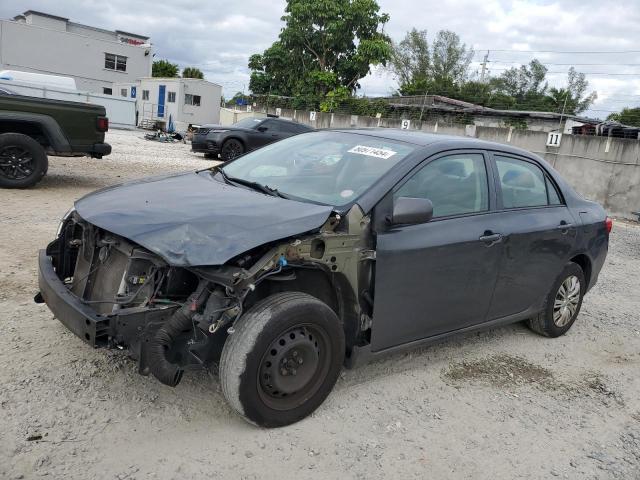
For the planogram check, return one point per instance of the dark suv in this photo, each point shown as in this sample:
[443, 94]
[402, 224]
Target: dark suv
[243, 136]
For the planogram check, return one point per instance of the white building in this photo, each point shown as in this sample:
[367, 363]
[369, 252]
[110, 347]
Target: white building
[96, 58]
[187, 101]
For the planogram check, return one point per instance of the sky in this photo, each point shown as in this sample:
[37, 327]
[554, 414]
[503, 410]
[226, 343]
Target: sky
[218, 36]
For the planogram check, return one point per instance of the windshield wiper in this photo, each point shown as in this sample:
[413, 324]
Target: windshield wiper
[253, 185]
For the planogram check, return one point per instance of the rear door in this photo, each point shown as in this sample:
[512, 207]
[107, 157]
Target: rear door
[539, 233]
[438, 276]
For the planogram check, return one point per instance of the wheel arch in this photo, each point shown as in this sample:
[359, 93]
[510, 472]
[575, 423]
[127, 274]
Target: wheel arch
[37, 126]
[585, 263]
[333, 289]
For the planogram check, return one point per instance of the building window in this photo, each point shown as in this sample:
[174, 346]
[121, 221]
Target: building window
[115, 62]
[192, 99]
[123, 92]
[107, 91]
[145, 94]
[171, 97]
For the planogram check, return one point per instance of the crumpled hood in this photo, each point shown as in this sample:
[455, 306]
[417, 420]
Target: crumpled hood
[194, 219]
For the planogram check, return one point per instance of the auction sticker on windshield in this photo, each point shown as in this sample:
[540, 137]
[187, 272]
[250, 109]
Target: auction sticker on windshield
[372, 151]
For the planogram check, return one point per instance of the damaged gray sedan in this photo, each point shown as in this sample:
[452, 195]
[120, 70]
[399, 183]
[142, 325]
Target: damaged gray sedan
[324, 249]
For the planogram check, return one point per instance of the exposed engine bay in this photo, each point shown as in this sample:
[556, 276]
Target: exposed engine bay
[176, 318]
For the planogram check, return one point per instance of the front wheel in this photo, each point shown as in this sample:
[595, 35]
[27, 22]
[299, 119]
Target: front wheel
[231, 149]
[23, 161]
[563, 303]
[282, 360]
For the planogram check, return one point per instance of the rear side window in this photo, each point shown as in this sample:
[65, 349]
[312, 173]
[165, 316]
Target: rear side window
[524, 184]
[455, 184]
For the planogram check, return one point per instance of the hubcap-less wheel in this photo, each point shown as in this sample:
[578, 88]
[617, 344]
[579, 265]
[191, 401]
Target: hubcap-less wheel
[16, 162]
[294, 366]
[231, 149]
[566, 301]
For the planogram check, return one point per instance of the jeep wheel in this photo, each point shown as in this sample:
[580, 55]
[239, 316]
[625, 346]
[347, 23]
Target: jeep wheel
[282, 360]
[231, 149]
[23, 161]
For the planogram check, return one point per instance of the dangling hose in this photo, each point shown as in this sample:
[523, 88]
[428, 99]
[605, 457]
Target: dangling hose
[165, 371]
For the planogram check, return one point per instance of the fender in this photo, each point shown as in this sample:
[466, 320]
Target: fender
[56, 137]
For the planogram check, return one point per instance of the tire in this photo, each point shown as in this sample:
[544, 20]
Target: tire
[231, 149]
[283, 336]
[556, 320]
[23, 161]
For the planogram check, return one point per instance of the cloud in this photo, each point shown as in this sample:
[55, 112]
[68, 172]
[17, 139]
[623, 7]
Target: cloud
[218, 37]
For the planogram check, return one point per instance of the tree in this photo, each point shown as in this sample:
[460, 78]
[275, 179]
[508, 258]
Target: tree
[324, 45]
[164, 68]
[440, 69]
[450, 58]
[628, 116]
[525, 82]
[410, 59]
[192, 72]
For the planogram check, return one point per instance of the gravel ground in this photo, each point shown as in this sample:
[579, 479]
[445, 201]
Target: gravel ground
[499, 404]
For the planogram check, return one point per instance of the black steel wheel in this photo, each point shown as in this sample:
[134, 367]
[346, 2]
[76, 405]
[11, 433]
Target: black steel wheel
[23, 161]
[231, 149]
[282, 360]
[294, 366]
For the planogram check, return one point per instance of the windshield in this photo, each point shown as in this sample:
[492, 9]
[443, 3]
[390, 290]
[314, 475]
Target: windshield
[248, 122]
[333, 168]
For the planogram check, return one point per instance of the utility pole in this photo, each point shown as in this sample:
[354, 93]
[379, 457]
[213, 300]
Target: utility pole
[484, 63]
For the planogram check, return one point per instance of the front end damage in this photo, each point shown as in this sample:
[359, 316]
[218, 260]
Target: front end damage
[113, 293]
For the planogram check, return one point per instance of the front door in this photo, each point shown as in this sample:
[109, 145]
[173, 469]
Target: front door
[161, 94]
[439, 276]
[539, 234]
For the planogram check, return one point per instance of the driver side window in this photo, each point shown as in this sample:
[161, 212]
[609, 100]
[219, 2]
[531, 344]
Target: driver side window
[455, 184]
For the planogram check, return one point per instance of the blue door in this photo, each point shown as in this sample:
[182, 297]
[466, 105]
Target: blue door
[161, 92]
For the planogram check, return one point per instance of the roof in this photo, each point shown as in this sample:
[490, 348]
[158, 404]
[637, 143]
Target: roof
[180, 79]
[423, 139]
[409, 136]
[42, 14]
[65, 19]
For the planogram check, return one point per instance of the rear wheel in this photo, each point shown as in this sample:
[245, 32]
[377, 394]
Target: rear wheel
[282, 360]
[563, 303]
[231, 149]
[23, 161]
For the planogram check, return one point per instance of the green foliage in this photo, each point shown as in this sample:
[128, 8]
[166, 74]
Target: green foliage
[440, 69]
[628, 116]
[164, 68]
[192, 72]
[324, 45]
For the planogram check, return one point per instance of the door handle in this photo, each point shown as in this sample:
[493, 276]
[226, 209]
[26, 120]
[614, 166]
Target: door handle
[490, 238]
[564, 226]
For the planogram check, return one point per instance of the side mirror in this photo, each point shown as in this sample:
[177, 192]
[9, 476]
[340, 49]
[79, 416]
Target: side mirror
[262, 129]
[412, 211]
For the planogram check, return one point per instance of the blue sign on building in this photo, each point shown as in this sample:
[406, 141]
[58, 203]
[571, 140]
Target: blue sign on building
[133, 92]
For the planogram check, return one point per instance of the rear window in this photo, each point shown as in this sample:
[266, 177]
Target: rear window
[524, 184]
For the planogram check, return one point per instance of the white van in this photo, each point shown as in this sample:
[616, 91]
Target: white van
[39, 79]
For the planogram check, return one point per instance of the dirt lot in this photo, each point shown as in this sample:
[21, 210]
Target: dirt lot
[499, 404]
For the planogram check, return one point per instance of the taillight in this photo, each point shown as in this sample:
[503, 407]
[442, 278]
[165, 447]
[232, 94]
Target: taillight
[103, 124]
[609, 224]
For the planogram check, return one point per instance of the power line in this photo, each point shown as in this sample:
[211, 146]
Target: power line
[564, 52]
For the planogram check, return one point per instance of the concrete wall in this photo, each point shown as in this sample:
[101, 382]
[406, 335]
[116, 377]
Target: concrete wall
[603, 169]
[121, 111]
[50, 50]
